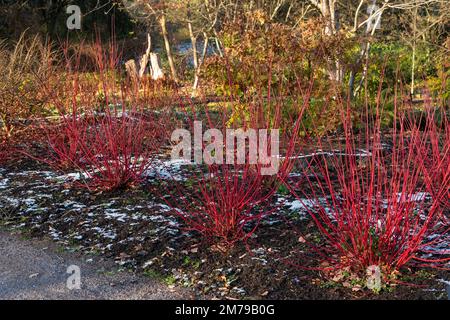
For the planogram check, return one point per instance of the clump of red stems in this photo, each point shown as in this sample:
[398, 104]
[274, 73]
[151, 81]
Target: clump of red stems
[436, 149]
[225, 202]
[370, 200]
[104, 132]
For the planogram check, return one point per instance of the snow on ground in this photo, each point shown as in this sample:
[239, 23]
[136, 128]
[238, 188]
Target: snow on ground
[169, 169]
[303, 205]
[40, 200]
[116, 214]
[4, 183]
[414, 197]
[319, 152]
[32, 194]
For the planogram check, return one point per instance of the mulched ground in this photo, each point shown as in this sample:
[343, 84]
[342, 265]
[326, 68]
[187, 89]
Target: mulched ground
[136, 229]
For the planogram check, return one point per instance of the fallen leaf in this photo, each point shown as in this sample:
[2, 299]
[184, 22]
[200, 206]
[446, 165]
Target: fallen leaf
[356, 288]
[301, 239]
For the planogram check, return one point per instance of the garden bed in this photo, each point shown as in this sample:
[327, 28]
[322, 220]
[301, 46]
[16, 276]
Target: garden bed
[135, 228]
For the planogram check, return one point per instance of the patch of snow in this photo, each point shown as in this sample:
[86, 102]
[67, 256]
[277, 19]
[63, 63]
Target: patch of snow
[105, 233]
[240, 291]
[73, 176]
[44, 196]
[4, 183]
[56, 235]
[12, 201]
[115, 214]
[31, 205]
[319, 152]
[303, 204]
[169, 169]
[46, 174]
[415, 197]
[68, 204]
[164, 207]
[444, 281]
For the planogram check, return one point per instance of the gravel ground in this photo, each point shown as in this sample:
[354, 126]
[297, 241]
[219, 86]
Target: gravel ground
[37, 269]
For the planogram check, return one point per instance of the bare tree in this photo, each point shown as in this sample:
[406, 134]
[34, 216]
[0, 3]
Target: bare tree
[372, 21]
[424, 26]
[361, 18]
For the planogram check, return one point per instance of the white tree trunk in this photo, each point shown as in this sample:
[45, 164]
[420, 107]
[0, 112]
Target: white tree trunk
[155, 70]
[144, 59]
[199, 64]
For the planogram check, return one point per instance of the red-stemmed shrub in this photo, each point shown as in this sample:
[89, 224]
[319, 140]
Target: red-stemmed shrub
[121, 149]
[65, 139]
[104, 132]
[436, 151]
[370, 200]
[225, 202]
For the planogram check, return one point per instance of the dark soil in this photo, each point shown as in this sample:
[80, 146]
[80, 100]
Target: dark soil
[137, 230]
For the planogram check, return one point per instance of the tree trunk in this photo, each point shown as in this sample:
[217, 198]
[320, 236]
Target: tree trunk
[194, 45]
[162, 22]
[155, 69]
[329, 13]
[195, 58]
[145, 57]
[130, 67]
[364, 52]
[218, 46]
[199, 64]
[413, 62]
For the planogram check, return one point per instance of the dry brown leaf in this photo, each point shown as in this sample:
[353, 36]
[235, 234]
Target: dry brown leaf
[301, 239]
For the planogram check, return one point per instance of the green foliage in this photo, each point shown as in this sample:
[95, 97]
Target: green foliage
[394, 62]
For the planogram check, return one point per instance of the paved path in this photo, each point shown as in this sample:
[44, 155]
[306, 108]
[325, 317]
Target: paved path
[36, 269]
